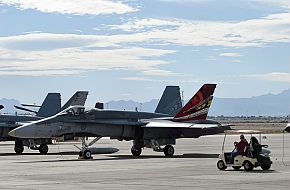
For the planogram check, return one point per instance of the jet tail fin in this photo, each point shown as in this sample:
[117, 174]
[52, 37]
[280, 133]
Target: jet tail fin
[170, 102]
[198, 106]
[79, 98]
[50, 106]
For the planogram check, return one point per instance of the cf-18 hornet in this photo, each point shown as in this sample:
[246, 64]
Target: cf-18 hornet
[145, 129]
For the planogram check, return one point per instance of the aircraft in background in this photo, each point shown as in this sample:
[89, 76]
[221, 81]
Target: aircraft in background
[151, 130]
[50, 106]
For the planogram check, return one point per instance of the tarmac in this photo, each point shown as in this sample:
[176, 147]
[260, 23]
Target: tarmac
[192, 167]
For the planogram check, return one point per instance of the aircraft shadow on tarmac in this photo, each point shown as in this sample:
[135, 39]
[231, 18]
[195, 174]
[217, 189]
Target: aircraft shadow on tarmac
[116, 157]
[254, 171]
[192, 155]
[36, 153]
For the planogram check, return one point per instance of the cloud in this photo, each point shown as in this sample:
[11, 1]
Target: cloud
[74, 7]
[274, 76]
[64, 57]
[127, 48]
[236, 61]
[175, 81]
[230, 55]
[186, 1]
[253, 32]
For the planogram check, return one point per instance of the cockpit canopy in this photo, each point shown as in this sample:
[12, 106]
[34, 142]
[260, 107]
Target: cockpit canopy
[73, 110]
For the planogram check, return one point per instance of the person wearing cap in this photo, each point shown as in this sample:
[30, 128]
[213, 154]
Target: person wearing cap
[240, 146]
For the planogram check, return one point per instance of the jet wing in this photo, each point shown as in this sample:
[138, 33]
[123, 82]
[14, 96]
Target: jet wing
[112, 122]
[171, 124]
[156, 123]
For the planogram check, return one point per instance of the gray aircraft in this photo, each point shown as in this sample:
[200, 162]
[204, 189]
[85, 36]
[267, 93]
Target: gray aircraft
[50, 106]
[151, 130]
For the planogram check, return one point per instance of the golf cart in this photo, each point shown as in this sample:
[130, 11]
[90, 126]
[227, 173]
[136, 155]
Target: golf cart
[255, 155]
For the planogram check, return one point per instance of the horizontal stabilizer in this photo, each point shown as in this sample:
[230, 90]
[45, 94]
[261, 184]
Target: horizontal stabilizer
[25, 109]
[31, 105]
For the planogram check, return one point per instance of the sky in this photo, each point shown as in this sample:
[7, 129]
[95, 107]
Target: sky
[130, 50]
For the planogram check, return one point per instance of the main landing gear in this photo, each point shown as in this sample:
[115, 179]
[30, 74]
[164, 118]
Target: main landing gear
[85, 152]
[19, 146]
[168, 150]
[136, 151]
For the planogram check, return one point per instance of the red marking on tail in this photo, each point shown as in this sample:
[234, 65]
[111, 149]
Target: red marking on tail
[198, 106]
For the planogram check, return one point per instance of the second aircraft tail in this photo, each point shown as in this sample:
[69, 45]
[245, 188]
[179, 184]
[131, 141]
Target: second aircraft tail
[79, 98]
[170, 102]
[50, 106]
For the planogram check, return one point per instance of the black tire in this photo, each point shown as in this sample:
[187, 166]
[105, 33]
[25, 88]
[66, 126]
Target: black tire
[81, 154]
[237, 168]
[266, 166]
[18, 149]
[168, 150]
[248, 166]
[87, 154]
[43, 149]
[136, 151]
[221, 165]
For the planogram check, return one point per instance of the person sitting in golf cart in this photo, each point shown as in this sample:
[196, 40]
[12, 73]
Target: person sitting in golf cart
[240, 146]
[255, 146]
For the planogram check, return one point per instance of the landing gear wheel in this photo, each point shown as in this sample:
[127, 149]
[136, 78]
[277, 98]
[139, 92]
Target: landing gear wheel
[168, 150]
[221, 165]
[87, 154]
[18, 149]
[248, 166]
[136, 151]
[43, 149]
[237, 168]
[266, 167]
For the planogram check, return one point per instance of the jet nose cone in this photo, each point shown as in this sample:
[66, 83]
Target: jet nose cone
[12, 133]
[25, 131]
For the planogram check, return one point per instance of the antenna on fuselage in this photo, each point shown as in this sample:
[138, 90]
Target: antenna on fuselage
[182, 97]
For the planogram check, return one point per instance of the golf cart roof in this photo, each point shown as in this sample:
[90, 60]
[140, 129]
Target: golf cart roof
[244, 132]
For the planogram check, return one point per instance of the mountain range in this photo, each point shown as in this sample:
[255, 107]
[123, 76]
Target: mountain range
[9, 105]
[265, 105]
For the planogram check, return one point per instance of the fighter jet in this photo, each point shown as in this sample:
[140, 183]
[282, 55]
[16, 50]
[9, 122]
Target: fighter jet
[50, 106]
[151, 130]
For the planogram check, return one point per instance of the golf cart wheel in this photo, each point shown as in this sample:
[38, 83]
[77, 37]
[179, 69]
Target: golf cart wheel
[18, 149]
[136, 151]
[87, 154]
[221, 165]
[236, 168]
[266, 167]
[248, 166]
[43, 149]
[168, 150]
